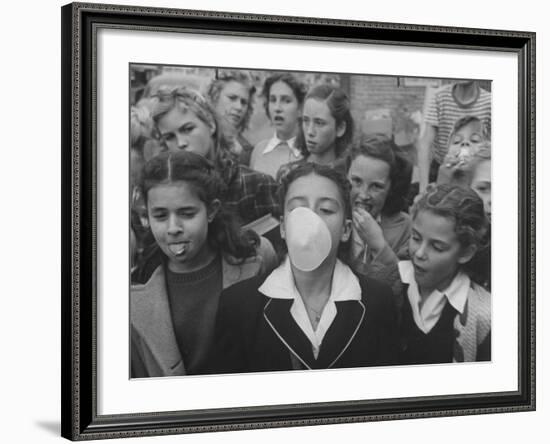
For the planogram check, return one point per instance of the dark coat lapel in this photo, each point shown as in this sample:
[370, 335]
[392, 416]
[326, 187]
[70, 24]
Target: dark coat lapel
[278, 317]
[349, 317]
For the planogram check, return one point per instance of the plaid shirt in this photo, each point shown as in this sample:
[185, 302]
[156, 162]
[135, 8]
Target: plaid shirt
[250, 194]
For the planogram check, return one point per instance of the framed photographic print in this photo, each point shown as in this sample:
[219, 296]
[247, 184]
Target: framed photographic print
[277, 221]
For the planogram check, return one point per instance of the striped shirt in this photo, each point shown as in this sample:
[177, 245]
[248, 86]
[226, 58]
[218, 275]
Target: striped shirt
[443, 111]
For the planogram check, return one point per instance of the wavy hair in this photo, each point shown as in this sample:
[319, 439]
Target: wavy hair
[224, 232]
[298, 88]
[380, 146]
[463, 206]
[339, 106]
[184, 98]
[216, 86]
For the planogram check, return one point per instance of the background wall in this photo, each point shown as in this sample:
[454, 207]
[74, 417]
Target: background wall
[29, 227]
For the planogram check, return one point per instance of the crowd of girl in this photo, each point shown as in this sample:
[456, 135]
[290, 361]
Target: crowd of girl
[353, 276]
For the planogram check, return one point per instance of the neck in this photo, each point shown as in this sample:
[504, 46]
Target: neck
[315, 286]
[425, 292]
[326, 158]
[287, 134]
[201, 260]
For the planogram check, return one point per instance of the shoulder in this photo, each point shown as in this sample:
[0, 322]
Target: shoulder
[247, 174]
[375, 292]
[399, 219]
[479, 301]
[267, 254]
[261, 145]
[242, 299]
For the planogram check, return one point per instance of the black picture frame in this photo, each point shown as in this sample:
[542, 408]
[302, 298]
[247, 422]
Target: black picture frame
[80, 22]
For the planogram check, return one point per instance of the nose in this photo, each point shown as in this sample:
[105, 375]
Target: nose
[277, 106]
[420, 252]
[363, 192]
[174, 226]
[182, 141]
[309, 129]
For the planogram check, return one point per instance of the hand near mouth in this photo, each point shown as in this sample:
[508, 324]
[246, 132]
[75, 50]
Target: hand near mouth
[369, 230]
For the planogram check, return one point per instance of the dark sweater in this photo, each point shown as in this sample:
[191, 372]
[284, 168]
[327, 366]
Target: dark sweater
[256, 333]
[194, 299]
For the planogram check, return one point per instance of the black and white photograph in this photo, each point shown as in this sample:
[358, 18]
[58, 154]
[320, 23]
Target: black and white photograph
[295, 220]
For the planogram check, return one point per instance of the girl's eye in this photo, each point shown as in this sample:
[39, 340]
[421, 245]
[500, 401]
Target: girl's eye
[457, 139]
[327, 211]
[272, 99]
[187, 129]
[186, 213]
[355, 181]
[159, 215]
[168, 137]
[438, 247]
[475, 138]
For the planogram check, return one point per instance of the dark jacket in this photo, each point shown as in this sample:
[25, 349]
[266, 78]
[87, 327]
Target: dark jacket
[256, 333]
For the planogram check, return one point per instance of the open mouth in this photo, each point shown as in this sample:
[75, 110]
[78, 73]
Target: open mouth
[418, 269]
[277, 120]
[178, 249]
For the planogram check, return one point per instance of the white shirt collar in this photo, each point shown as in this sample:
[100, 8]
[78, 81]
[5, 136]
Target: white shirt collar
[345, 287]
[274, 142]
[426, 318]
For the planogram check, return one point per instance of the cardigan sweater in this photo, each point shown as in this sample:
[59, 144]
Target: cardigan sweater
[470, 338]
[154, 347]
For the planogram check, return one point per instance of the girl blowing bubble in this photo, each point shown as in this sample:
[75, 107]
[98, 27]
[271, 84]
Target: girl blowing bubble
[446, 316]
[203, 251]
[312, 312]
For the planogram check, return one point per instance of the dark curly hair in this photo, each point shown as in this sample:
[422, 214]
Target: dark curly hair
[224, 232]
[301, 169]
[339, 105]
[298, 88]
[465, 208]
[380, 146]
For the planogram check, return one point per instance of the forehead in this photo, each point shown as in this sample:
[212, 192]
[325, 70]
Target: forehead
[313, 188]
[176, 117]
[235, 88]
[280, 87]
[474, 125]
[434, 226]
[317, 108]
[173, 195]
[370, 168]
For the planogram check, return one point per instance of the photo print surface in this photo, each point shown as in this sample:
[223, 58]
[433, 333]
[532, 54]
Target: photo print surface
[287, 221]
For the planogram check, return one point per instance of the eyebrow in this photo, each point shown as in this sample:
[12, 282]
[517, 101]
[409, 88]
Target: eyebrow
[304, 199]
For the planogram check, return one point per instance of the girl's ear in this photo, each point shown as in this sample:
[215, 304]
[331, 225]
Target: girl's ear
[346, 230]
[213, 209]
[212, 128]
[282, 227]
[467, 254]
[341, 129]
